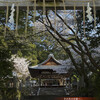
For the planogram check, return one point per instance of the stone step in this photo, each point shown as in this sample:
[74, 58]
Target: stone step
[47, 97]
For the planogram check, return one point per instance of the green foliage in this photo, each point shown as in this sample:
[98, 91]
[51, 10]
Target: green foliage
[6, 66]
[9, 93]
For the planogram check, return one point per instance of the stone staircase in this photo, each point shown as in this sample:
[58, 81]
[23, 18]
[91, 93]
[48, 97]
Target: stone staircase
[60, 91]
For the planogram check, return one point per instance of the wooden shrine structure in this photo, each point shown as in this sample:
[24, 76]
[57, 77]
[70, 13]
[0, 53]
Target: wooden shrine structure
[45, 5]
[50, 73]
[60, 4]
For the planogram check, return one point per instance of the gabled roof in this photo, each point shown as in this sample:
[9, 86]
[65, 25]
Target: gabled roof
[51, 61]
[50, 64]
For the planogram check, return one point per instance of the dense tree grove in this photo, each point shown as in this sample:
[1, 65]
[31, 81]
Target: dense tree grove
[35, 48]
[64, 38]
[78, 44]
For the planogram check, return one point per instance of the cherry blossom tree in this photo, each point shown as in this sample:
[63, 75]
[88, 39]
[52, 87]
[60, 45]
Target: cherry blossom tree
[20, 67]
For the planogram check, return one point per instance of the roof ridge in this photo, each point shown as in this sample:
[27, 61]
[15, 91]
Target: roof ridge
[49, 57]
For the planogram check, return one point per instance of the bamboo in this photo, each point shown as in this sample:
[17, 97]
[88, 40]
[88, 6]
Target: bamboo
[26, 25]
[75, 22]
[64, 4]
[64, 11]
[84, 19]
[7, 12]
[94, 9]
[34, 16]
[17, 15]
[55, 16]
[44, 15]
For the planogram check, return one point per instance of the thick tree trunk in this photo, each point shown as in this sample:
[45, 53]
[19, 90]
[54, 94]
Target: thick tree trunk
[86, 80]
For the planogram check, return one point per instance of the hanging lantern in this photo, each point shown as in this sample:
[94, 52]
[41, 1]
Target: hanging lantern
[11, 18]
[89, 13]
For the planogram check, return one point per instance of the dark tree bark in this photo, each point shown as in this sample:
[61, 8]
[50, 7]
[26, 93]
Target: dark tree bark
[78, 46]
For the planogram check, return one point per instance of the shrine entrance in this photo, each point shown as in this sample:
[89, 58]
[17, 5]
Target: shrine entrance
[50, 82]
[51, 77]
[50, 73]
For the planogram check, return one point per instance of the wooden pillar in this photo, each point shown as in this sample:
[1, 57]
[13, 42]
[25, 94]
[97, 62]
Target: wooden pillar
[63, 81]
[39, 81]
[59, 82]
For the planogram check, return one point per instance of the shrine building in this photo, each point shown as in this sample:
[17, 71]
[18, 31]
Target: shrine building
[51, 72]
